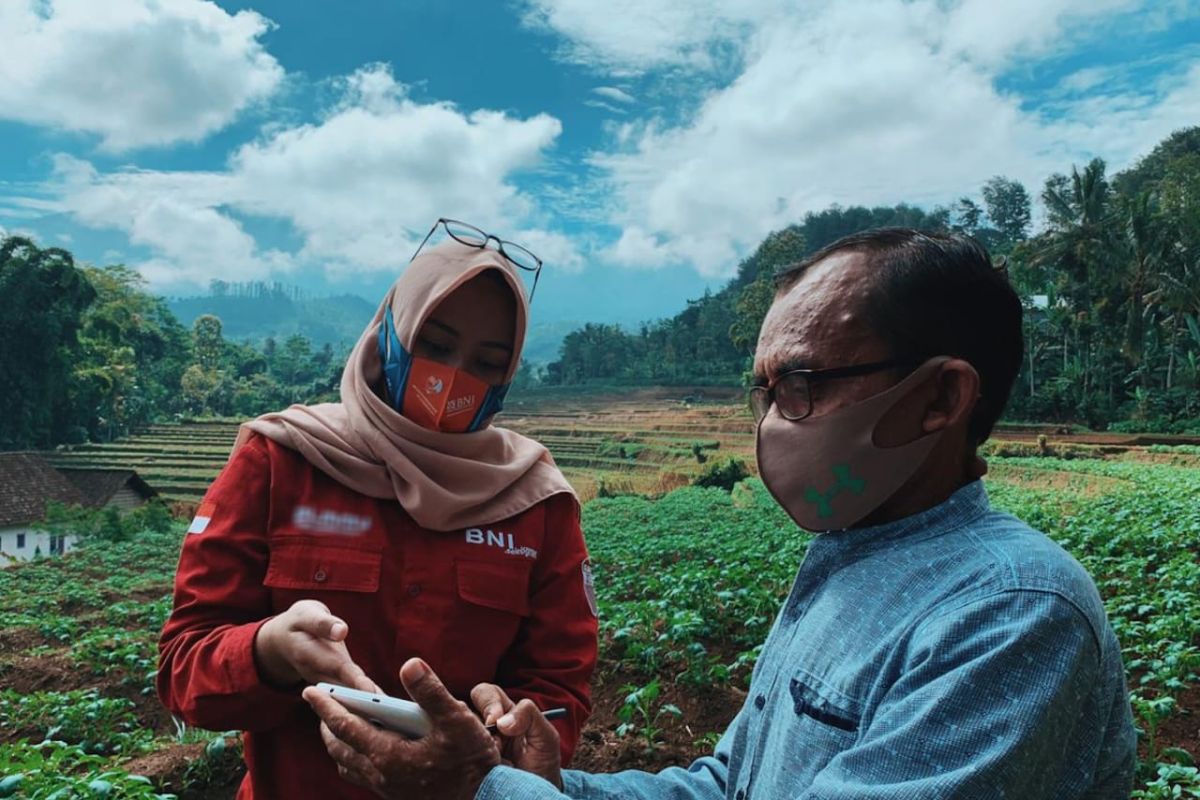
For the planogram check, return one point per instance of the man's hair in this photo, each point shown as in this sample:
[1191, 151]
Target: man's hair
[934, 294]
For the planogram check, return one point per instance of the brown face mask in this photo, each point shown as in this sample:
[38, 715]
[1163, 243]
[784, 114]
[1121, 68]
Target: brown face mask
[827, 472]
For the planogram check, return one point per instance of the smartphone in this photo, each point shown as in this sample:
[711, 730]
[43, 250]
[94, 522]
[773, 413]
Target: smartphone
[401, 716]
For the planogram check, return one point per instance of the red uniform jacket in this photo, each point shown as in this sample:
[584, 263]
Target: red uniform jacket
[503, 603]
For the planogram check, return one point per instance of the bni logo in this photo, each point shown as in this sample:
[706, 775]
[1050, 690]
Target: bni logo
[460, 404]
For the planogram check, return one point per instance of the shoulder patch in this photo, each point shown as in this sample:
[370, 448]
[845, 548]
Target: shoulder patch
[589, 586]
[204, 515]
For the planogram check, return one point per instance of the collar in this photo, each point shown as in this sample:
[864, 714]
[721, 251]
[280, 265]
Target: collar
[967, 504]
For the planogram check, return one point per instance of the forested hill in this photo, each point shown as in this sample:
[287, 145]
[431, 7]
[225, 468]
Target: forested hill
[258, 311]
[712, 339]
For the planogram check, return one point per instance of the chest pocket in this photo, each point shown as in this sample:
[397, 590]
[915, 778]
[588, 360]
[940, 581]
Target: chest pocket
[498, 586]
[808, 725]
[303, 565]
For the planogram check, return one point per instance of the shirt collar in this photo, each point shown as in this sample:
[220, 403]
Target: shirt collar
[968, 503]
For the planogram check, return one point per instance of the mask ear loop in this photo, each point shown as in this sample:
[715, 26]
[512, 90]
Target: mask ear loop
[493, 403]
[396, 361]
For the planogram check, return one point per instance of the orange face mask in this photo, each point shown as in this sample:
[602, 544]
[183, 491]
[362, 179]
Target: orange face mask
[434, 395]
[442, 398]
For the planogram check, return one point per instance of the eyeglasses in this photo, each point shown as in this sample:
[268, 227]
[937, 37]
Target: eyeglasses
[791, 392]
[471, 236]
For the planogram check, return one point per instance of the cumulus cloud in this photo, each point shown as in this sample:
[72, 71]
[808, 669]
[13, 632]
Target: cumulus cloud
[359, 188]
[874, 101]
[134, 72]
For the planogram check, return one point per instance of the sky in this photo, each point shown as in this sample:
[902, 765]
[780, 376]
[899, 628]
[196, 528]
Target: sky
[640, 147]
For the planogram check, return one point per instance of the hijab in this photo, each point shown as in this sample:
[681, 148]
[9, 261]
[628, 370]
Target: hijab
[445, 481]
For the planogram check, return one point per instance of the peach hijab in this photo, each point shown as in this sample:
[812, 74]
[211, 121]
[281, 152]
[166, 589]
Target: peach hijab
[445, 481]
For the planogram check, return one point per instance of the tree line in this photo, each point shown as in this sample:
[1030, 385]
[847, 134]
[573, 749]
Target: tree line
[1111, 282]
[89, 355]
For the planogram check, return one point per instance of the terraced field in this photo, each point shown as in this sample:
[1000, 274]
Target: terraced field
[642, 442]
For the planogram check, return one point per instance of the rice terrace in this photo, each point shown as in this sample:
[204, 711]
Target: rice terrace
[689, 578]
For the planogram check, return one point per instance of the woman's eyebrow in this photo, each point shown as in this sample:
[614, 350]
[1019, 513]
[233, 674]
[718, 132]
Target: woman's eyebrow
[443, 326]
[498, 345]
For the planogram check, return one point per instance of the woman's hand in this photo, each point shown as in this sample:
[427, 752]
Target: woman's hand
[307, 644]
[528, 741]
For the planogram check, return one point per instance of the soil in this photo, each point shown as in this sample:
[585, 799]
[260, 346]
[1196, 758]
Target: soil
[705, 710]
[1181, 729]
[183, 770]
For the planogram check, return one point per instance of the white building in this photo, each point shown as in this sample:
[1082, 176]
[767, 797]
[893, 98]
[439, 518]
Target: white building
[28, 481]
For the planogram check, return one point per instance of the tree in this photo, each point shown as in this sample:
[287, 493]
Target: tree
[968, 215]
[45, 297]
[1008, 208]
[207, 341]
[134, 353]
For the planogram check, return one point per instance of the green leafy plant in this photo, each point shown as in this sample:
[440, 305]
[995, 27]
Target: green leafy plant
[641, 712]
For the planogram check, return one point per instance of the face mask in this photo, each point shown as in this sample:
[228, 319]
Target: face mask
[434, 395]
[827, 472]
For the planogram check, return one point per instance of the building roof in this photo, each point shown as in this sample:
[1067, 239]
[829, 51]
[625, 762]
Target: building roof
[99, 485]
[27, 482]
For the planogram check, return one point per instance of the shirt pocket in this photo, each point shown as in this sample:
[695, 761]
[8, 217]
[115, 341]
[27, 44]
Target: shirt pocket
[810, 725]
[490, 605]
[306, 567]
[498, 586]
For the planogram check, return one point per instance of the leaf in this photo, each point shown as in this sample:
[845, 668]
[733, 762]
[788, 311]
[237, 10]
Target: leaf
[10, 784]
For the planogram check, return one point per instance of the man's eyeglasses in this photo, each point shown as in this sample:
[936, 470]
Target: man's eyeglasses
[791, 392]
[471, 236]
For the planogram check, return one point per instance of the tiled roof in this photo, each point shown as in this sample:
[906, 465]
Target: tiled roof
[27, 482]
[99, 485]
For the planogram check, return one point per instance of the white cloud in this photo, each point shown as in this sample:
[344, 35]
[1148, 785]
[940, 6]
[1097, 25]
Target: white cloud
[632, 36]
[606, 106]
[614, 93]
[359, 188]
[135, 72]
[875, 101]
[557, 251]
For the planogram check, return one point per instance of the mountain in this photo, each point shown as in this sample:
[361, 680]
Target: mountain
[337, 320]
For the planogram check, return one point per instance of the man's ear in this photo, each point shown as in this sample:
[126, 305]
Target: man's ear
[956, 394]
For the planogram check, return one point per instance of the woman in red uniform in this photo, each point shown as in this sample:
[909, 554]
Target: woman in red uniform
[342, 539]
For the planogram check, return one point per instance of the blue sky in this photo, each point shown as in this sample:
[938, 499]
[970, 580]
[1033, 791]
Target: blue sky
[641, 147]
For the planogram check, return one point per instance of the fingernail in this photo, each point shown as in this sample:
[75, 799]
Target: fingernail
[422, 669]
[506, 721]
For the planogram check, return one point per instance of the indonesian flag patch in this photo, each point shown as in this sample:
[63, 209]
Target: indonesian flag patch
[204, 515]
[589, 587]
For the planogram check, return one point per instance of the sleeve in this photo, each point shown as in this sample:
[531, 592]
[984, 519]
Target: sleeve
[207, 673]
[705, 779]
[993, 703]
[552, 659]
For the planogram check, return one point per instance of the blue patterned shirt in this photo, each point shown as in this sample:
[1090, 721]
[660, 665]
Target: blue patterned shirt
[956, 653]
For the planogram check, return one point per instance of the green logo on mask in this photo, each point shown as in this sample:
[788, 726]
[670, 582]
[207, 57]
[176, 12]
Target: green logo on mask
[843, 482]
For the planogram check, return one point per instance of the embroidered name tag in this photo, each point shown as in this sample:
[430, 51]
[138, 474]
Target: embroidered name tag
[307, 518]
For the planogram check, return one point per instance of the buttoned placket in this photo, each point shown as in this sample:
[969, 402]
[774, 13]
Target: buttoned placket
[820, 560]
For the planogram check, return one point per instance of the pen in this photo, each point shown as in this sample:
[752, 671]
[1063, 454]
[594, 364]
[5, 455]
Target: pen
[550, 713]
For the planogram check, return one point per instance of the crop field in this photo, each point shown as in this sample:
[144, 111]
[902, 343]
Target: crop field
[689, 580]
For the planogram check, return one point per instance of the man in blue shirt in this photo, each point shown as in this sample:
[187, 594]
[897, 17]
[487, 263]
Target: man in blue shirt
[931, 647]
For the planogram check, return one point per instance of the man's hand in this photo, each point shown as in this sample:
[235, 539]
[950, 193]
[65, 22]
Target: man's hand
[450, 763]
[307, 643]
[529, 741]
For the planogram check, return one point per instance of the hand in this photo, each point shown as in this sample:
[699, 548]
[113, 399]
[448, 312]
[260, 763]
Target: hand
[307, 643]
[529, 741]
[451, 762]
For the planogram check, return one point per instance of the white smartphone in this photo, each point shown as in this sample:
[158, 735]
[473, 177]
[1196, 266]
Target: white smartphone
[401, 716]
